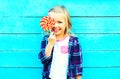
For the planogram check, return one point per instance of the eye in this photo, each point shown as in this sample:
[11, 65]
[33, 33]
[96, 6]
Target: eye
[60, 22]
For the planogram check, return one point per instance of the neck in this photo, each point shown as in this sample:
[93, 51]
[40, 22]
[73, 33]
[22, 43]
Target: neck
[61, 36]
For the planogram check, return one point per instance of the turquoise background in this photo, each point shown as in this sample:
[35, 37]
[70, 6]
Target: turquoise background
[96, 23]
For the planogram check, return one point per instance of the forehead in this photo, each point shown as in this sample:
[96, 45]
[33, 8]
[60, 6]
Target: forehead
[57, 16]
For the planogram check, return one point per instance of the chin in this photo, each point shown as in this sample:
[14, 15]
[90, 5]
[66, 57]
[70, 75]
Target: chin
[57, 33]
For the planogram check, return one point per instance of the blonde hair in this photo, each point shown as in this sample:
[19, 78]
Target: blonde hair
[63, 10]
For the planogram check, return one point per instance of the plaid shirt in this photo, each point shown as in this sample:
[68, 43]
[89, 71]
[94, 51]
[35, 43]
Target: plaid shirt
[75, 58]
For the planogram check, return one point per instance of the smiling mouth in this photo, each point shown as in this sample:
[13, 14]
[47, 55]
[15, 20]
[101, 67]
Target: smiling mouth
[55, 29]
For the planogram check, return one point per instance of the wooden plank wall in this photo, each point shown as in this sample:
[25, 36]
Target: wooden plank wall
[96, 23]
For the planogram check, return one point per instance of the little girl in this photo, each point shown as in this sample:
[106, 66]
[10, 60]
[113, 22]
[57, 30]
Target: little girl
[60, 51]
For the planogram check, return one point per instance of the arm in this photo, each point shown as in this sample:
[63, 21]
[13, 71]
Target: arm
[46, 48]
[51, 42]
[78, 54]
[76, 59]
[42, 56]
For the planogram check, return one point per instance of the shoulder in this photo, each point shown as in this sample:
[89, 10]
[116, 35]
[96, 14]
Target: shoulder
[45, 37]
[73, 38]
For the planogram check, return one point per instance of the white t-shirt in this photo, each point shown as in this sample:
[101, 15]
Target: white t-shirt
[60, 59]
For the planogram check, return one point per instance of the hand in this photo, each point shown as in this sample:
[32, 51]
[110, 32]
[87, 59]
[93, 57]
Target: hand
[51, 39]
[51, 42]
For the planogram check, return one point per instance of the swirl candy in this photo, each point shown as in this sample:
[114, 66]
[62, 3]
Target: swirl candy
[46, 23]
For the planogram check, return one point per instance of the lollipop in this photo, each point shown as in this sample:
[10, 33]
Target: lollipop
[46, 23]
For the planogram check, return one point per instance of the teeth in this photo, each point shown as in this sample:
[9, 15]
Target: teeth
[55, 29]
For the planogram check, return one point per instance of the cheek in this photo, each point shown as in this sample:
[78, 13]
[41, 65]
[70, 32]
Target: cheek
[63, 25]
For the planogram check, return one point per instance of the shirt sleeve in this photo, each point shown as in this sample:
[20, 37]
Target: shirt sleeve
[76, 58]
[44, 59]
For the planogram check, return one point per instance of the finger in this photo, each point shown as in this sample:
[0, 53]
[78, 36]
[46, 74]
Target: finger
[54, 37]
[51, 33]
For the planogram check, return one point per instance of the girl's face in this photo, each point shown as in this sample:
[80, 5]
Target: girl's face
[60, 25]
